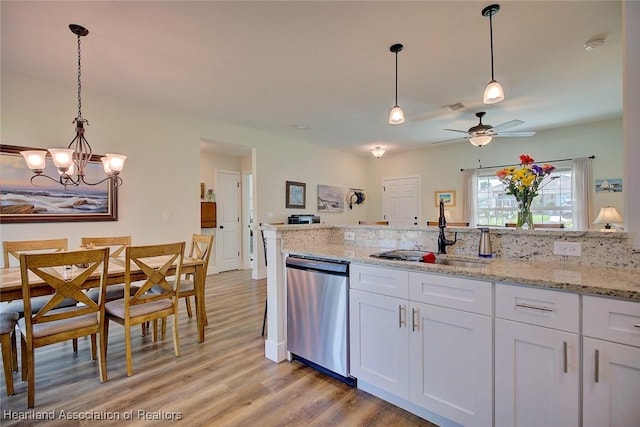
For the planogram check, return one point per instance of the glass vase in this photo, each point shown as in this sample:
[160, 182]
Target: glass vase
[525, 216]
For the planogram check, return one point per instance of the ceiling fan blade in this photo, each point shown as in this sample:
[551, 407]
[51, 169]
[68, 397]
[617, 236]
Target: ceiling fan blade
[516, 134]
[508, 125]
[449, 140]
[456, 130]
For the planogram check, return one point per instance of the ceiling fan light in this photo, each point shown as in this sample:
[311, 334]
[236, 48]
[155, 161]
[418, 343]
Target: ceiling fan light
[481, 140]
[396, 116]
[493, 93]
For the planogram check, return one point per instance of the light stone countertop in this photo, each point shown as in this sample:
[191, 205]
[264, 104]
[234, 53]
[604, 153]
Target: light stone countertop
[604, 281]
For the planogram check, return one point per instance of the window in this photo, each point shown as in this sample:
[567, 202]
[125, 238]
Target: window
[553, 205]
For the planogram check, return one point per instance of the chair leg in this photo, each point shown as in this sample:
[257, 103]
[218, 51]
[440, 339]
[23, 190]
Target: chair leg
[163, 328]
[188, 304]
[31, 376]
[23, 351]
[14, 351]
[7, 364]
[93, 347]
[102, 356]
[127, 346]
[75, 345]
[176, 341]
[264, 320]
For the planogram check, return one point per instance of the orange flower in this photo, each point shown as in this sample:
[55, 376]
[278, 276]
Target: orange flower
[525, 159]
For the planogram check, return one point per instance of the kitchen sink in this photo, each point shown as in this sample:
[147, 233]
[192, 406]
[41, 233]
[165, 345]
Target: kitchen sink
[462, 263]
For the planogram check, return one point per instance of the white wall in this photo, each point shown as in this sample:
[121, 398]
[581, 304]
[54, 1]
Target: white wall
[439, 166]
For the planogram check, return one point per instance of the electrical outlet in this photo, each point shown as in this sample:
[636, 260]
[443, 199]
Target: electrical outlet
[567, 248]
[349, 235]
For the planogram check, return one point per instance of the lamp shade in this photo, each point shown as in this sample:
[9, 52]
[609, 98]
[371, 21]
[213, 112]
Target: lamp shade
[607, 216]
[396, 116]
[481, 140]
[493, 93]
[35, 159]
[62, 158]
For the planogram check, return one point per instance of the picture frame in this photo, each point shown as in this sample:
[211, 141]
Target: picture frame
[27, 200]
[449, 197]
[330, 199]
[295, 195]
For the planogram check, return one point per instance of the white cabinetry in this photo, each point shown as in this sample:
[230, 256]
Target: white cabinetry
[424, 338]
[451, 346]
[536, 357]
[611, 366]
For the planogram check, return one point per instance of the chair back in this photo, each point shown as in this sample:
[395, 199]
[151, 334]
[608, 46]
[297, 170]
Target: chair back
[264, 241]
[513, 225]
[53, 269]
[155, 262]
[373, 222]
[201, 246]
[116, 244]
[449, 223]
[17, 247]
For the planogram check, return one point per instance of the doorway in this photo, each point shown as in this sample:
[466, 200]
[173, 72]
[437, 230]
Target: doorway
[228, 219]
[401, 200]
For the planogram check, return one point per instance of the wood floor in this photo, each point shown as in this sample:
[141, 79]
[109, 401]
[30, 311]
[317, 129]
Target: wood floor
[225, 381]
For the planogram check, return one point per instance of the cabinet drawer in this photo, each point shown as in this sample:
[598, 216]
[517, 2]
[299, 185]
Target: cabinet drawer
[542, 307]
[611, 320]
[380, 280]
[453, 292]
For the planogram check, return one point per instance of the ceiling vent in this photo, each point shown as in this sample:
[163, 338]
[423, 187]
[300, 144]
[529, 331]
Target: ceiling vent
[453, 107]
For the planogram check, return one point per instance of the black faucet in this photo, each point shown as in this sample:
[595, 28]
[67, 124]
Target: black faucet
[443, 242]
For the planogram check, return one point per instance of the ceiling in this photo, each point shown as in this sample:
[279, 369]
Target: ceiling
[322, 72]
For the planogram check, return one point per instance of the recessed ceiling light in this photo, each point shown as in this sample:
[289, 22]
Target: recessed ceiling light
[594, 43]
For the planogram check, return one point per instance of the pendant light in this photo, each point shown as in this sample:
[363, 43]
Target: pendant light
[72, 161]
[396, 116]
[377, 151]
[493, 93]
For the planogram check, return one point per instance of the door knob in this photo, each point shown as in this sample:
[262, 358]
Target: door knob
[222, 226]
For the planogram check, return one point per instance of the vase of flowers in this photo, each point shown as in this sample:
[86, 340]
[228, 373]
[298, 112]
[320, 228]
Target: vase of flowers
[524, 183]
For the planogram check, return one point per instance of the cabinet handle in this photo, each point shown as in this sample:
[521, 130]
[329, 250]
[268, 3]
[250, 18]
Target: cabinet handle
[534, 307]
[402, 317]
[596, 373]
[414, 324]
[564, 350]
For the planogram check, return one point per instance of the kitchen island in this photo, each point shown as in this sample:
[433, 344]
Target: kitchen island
[448, 342]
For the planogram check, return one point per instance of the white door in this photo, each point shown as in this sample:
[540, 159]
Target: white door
[611, 383]
[228, 233]
[450, 363]
[400, 200]
[536, 376]
[379, 341]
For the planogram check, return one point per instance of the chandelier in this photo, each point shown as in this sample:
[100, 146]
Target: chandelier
[72, 161]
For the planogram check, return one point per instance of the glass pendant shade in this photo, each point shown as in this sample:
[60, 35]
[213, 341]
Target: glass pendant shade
[35, 159]
[62, 158]
[479, 141]
[115, 162]
[378, 152]
[493, 93]
[396, 116]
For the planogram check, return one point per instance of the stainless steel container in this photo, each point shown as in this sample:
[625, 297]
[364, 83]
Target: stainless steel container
[484, 248]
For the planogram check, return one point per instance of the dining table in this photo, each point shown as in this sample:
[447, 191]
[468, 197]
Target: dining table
[11, 282]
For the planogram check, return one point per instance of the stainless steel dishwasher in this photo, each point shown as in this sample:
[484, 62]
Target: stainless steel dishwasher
[318, 314]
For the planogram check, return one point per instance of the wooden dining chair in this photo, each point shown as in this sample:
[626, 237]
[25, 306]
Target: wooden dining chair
[117, 246]
[8, 322]
[373, 222]
[51, 324]
[12, 251]
[143, 306]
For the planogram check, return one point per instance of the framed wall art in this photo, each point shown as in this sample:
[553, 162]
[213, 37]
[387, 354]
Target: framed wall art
[330, 199]
[23, 200]
[296, 195]
[448, 196]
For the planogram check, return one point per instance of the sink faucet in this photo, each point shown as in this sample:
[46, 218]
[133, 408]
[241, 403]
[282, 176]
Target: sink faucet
[443, 242]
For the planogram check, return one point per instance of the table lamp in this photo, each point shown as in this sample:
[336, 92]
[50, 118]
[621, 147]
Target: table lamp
[607, 216]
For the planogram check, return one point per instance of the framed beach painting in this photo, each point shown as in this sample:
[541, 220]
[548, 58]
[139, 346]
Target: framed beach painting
[330, 199]
[448, 197]
[24, 200]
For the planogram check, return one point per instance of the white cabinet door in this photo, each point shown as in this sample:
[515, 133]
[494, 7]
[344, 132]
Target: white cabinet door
[611, 384]
[536, 376]
[451, 364]
[379, 341]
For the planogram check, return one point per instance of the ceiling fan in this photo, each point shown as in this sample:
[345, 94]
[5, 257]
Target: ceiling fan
[482, 134]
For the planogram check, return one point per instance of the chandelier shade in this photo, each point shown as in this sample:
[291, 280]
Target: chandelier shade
[480, 140]
[494, 92]
[377, 151]
[72, 161]
[396, 115]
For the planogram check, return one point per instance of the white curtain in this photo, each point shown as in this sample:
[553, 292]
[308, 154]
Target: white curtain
[581, 197]
[469, 195]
